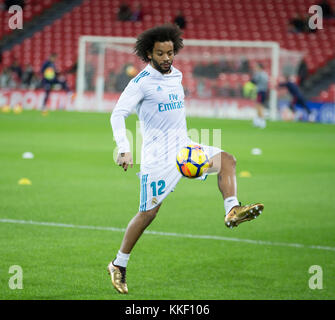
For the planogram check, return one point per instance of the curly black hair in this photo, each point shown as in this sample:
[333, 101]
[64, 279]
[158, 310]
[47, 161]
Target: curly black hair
[146, 40]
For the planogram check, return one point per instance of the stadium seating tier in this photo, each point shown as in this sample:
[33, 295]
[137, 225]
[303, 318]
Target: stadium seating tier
[211, 19]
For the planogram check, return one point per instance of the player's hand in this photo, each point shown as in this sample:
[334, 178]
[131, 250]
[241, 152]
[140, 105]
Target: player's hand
[125, 159]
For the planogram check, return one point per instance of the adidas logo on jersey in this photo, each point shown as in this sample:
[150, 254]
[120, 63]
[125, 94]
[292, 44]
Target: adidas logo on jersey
[159, 88]
[140, 76]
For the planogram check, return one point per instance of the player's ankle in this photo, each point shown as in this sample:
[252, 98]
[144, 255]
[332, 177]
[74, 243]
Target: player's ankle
[230, 203]
[121, 259]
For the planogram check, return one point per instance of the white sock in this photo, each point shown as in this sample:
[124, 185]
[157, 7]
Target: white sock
[121, 259]
[230, 203]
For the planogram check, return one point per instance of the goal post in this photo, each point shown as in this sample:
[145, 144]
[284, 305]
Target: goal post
[214, 74]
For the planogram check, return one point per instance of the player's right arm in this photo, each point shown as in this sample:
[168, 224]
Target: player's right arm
[129, 99]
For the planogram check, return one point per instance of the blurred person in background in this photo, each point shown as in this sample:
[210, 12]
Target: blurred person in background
[6, 79]
[122, 79]
[124, 13]
[249, 90]
[327, 10]
[17, 70]
[302, 72]
[50, 78]
[27, 76]
[180, 20]
[261, 79]
[137, 14]
[297, 97]
[298, 24]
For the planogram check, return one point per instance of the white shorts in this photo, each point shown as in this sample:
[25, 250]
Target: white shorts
[157, 184]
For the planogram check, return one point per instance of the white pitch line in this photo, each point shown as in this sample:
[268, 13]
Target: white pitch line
[170, 234]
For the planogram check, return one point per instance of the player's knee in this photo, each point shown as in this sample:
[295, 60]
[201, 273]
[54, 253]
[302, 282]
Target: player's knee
[151, 214]
[228, 160]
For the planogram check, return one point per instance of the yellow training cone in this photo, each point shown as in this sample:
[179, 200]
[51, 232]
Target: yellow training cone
[24, 181]
[245, 174]
[6, 108]
[17, 109]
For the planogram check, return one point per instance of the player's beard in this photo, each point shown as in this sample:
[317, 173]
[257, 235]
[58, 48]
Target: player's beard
[158, 67]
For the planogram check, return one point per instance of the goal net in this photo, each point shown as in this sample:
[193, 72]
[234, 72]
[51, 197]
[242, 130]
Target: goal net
[217, 74]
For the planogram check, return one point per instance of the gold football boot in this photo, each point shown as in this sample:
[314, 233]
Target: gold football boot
[240, 214]
[118, 277]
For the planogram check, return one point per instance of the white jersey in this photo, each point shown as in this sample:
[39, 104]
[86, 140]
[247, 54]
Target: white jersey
[159, 103]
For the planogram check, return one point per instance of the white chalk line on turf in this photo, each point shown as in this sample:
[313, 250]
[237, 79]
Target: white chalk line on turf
[169, 234]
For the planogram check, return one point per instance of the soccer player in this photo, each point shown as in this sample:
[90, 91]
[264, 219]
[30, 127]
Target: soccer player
[158, 97]
[50, 78]
[297, 96]
[261, 79]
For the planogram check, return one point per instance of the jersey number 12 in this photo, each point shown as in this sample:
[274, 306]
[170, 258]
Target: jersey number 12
[160, 185]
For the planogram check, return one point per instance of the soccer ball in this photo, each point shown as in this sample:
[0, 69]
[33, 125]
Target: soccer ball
[192, 161]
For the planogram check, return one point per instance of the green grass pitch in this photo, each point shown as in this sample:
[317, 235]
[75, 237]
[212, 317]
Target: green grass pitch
[75, 182]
